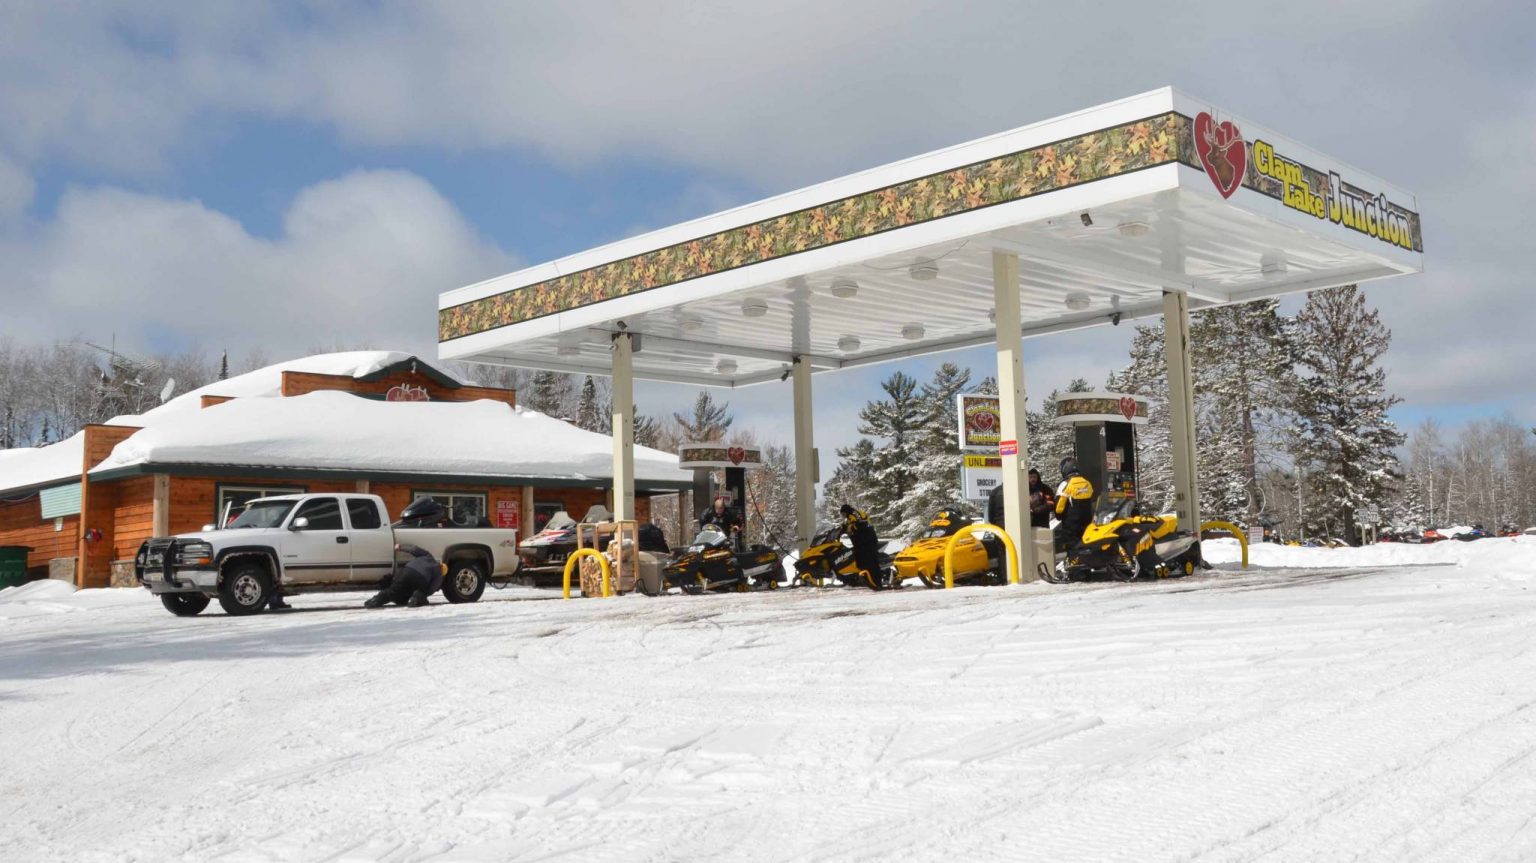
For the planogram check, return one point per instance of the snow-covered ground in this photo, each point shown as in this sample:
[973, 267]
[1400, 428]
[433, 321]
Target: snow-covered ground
[1338, 708]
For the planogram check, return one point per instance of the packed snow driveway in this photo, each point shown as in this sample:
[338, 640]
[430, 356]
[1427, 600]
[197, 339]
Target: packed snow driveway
[1318, 714]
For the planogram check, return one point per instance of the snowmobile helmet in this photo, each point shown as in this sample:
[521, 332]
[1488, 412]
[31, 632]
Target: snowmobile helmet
[423, 510]
[1069, 467]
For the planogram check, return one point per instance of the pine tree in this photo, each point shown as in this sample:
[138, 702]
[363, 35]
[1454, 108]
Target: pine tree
[1242, 375]
[1343, 434]
[551, 394]
[591, 415]
[709, 421]
[898, 420]
[224, 366]
[647, 430]
[851, 481]
[936, 469]
[771, 499]
[1147, 376]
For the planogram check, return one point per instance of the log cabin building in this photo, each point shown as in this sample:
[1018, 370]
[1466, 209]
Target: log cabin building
[386, 423]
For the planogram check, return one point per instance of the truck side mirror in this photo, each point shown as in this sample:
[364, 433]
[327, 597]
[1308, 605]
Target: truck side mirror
[300, 523]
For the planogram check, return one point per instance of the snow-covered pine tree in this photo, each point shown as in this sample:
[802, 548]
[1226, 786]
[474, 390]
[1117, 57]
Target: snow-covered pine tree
[708, 422]
[591, 415]
[1346, 440]
[1406, 511]
[771, 498]
[897, 421]
[550, 394]
[936, 470]
[1243, 376]
[224, 366]
[647, 430]
[851, 481]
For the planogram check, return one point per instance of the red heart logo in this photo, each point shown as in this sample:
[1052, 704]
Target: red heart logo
[1128, 407]
[736, 454]
[1222, 152]
[984, 421]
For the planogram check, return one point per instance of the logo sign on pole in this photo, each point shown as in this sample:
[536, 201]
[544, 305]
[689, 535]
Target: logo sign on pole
[1008, 447]
[981, 420]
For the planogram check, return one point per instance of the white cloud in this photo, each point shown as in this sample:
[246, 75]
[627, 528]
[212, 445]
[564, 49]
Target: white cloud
[359, 259]
[16, 189]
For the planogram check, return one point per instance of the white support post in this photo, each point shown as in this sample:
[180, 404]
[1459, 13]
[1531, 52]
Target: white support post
[805, 456]
[1010, 389]
[623, 427]
[1181, 409]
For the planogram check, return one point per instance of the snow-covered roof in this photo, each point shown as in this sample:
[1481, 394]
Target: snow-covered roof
[35, 467]
[340, 432]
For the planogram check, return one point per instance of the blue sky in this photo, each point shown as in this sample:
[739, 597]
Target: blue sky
[281, 176]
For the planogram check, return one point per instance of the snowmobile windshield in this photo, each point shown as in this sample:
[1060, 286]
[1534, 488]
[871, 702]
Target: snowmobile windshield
[710, 535]
[263, 513]
[560, 521]
[827, 534]
[934, 531]
[1112, 510]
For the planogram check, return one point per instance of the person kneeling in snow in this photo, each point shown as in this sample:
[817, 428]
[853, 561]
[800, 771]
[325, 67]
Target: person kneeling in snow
[414, 580]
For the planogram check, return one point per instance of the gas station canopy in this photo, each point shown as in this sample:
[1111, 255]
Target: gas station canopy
[1106, 210]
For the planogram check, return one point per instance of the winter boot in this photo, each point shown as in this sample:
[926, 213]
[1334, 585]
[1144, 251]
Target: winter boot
[277, 603]
[375, 602]
[417, 600]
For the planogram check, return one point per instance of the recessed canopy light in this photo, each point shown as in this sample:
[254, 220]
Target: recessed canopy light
[912, 332]
[848, 344]
[754, 308]
[924, 271]
[845, 288]
[1078, 301]
[726, 367]
[1135, 229]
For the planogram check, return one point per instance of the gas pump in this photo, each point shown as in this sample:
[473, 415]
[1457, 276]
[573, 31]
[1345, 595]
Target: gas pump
[704, 459]
[1104, 439]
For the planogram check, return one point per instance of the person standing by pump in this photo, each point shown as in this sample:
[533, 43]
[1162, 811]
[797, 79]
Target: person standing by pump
[1074, 505]
[866, 544]
[1042, 501]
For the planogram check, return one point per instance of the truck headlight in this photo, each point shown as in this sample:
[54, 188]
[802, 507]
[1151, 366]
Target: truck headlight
[194, 554]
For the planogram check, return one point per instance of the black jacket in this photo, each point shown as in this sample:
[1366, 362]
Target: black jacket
[725, 519]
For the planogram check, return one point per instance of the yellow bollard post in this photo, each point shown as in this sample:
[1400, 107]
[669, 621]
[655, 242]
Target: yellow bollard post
[576, 556]
[1242, 537]
[949, 552]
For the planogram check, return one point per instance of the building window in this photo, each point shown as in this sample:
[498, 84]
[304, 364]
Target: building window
[464, 508]
[543, 512]
[235, 497]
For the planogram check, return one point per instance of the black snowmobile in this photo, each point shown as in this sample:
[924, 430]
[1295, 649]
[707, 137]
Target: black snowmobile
[828, 557]
[710, 563]
[1124, 543]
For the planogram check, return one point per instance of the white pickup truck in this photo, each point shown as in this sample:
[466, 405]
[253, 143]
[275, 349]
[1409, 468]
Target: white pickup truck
[310, 543]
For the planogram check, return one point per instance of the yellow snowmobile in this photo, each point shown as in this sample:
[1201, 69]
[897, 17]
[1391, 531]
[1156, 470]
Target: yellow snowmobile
[829, 559]
[979, 557]
[1124, 544]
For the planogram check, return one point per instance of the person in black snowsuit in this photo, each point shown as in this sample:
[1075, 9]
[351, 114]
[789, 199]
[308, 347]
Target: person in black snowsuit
[417, 576]
[866, 545]
[1074, 505]
[1042, 501]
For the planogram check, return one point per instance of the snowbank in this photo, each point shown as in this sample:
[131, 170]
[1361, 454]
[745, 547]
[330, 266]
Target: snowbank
[340, 431]
[1505, 557]
[51, 596]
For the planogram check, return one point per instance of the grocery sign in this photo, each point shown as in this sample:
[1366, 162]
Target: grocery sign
[981, 419]
[980, 474]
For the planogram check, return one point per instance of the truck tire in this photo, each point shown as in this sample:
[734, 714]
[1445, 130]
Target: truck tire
[245, 588]
[184, 604]
[465, 580]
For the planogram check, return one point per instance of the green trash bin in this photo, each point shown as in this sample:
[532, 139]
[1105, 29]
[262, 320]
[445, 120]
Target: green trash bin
[13, 565]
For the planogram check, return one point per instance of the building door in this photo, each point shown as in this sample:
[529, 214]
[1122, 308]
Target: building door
[320, 551]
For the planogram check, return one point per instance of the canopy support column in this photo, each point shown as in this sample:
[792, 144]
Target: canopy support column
[805, 456]
[1181, 409]
[1014, 433]
[623, 427]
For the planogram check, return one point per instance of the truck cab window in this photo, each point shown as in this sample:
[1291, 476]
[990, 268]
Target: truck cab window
[324, 513]
[364, 515]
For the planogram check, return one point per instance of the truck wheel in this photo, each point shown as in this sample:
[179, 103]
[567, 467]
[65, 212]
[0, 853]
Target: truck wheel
[184, 604]
[465, 581]
[246, 588]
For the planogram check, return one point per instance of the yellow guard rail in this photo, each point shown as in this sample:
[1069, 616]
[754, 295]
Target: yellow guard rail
[576, 556]
[1242, 536]
[949, 552]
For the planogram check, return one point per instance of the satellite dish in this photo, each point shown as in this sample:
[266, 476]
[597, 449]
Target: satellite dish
[165, 391]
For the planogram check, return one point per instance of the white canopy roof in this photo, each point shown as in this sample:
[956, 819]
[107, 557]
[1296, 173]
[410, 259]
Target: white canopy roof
[1106, 209]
